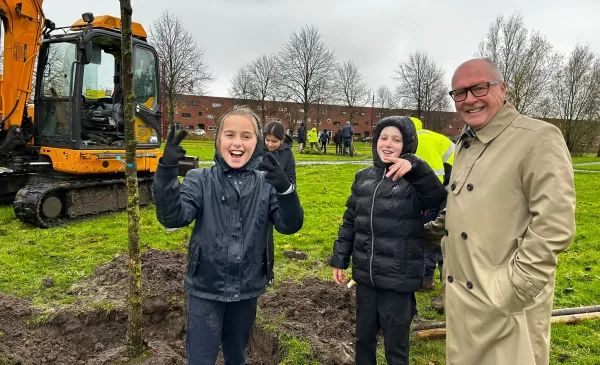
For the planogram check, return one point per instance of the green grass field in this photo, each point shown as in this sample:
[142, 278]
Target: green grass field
[69, 253]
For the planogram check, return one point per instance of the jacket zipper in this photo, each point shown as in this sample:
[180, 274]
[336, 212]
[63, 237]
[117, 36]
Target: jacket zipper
[372, 231]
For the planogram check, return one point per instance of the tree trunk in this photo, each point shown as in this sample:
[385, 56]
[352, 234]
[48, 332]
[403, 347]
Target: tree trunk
[134, 340]
[598, 154]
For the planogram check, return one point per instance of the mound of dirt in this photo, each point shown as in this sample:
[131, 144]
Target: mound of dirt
[316, 311]
[92, 329]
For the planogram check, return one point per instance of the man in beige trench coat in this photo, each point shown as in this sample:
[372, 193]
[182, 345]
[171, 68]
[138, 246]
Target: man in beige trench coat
[510, 212]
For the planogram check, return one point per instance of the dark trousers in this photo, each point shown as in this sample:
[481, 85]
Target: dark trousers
[348, 144]
[433, 256]
[211, 323]
[270, 255]
[338, 148]
[390, 311]
[324, 146]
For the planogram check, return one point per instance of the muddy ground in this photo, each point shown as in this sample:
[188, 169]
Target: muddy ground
[91, 330]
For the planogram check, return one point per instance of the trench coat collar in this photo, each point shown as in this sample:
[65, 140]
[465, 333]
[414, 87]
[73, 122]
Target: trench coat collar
[499, 122]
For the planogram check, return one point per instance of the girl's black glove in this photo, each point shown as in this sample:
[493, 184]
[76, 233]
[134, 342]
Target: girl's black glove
[173, 151]
[275, 174]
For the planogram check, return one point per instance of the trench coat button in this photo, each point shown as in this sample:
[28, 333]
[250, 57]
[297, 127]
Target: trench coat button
[235, 296]
[453, 186]
[469, 187]
[464, 235]
[450, 278]
[469, 285]
[467, 145]
[445, 232]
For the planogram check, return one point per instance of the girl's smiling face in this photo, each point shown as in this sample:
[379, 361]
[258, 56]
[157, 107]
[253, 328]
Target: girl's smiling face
[237, 140]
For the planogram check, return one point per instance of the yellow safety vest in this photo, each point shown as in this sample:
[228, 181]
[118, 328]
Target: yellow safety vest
[436, 149]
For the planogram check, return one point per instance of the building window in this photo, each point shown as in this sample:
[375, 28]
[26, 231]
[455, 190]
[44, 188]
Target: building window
[362, 114]
[187, 126]
[186, 115]
[268, 117]
[355, 123]
[259, 107]
[328, 121]
[301, 110]
[378, 115]
[199, 114]
[212, 128]
[336, 123]
[193, 103]
[343, 113]
[324, 112]
[455, 119]
[216, 105]
[308, 120]
[283, 109]
[210, 116]
[298, 121]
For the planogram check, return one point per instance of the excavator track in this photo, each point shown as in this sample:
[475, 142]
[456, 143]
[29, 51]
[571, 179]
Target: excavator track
[53, 203]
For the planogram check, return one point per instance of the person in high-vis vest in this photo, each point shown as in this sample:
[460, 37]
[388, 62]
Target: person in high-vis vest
[438, 151]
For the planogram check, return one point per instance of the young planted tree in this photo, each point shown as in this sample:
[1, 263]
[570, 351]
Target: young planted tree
[185, 69]
[134, 340]
[304, 63]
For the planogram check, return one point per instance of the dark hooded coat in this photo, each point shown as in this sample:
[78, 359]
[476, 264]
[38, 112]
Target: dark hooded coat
[382, 229]
[232, 209]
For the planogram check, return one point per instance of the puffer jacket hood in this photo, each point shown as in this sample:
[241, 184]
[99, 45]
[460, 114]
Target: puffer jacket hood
[255, 159]
[417, 122]
[409, 136]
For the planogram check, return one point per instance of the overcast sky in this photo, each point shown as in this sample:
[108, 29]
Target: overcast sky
[375, 34]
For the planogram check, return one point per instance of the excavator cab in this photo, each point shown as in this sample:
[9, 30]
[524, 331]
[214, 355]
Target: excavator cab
[66, 155]
[79, 91]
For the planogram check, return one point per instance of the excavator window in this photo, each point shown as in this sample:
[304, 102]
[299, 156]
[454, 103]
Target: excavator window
[56, 91]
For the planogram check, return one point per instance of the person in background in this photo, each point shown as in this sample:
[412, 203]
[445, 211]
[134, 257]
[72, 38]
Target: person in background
[438, 151]
[301, 137]
[347, 134]
[382, 232]
[232, 204]
[337, 139]
[313, 138]
[274, 136]
[324, 138]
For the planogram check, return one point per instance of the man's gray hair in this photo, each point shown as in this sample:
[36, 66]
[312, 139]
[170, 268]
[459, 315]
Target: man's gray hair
[495, 69]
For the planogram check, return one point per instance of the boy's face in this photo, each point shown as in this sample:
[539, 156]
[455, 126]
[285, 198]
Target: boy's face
[272, 142]
[389, 143]
[237, 140]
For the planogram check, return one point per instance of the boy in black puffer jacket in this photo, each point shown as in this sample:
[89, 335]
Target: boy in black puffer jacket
[382, 231]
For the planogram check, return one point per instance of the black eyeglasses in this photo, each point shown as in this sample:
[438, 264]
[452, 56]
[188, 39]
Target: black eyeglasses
[477, 90]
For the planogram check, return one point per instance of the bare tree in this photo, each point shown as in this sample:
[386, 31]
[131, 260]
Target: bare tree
[384, 100]
[241, 85]
[324, 94]
[134, 340]
[420, 84]
[526, 61]
[304, 62]
[350, 87]
[264, 79]
[576, 96]
[185, 69]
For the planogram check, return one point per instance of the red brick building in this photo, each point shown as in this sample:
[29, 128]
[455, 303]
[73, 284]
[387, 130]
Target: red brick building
[203, 112]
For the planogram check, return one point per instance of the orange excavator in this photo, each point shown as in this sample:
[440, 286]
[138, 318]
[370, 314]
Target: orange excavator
[62, 144]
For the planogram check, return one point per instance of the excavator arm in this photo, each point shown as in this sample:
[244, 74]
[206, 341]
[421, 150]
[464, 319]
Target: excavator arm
[24, 24]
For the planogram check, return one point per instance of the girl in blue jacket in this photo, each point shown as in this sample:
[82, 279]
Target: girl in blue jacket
[232, 204]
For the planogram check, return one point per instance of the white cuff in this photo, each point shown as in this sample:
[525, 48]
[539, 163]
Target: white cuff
[289, 190]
